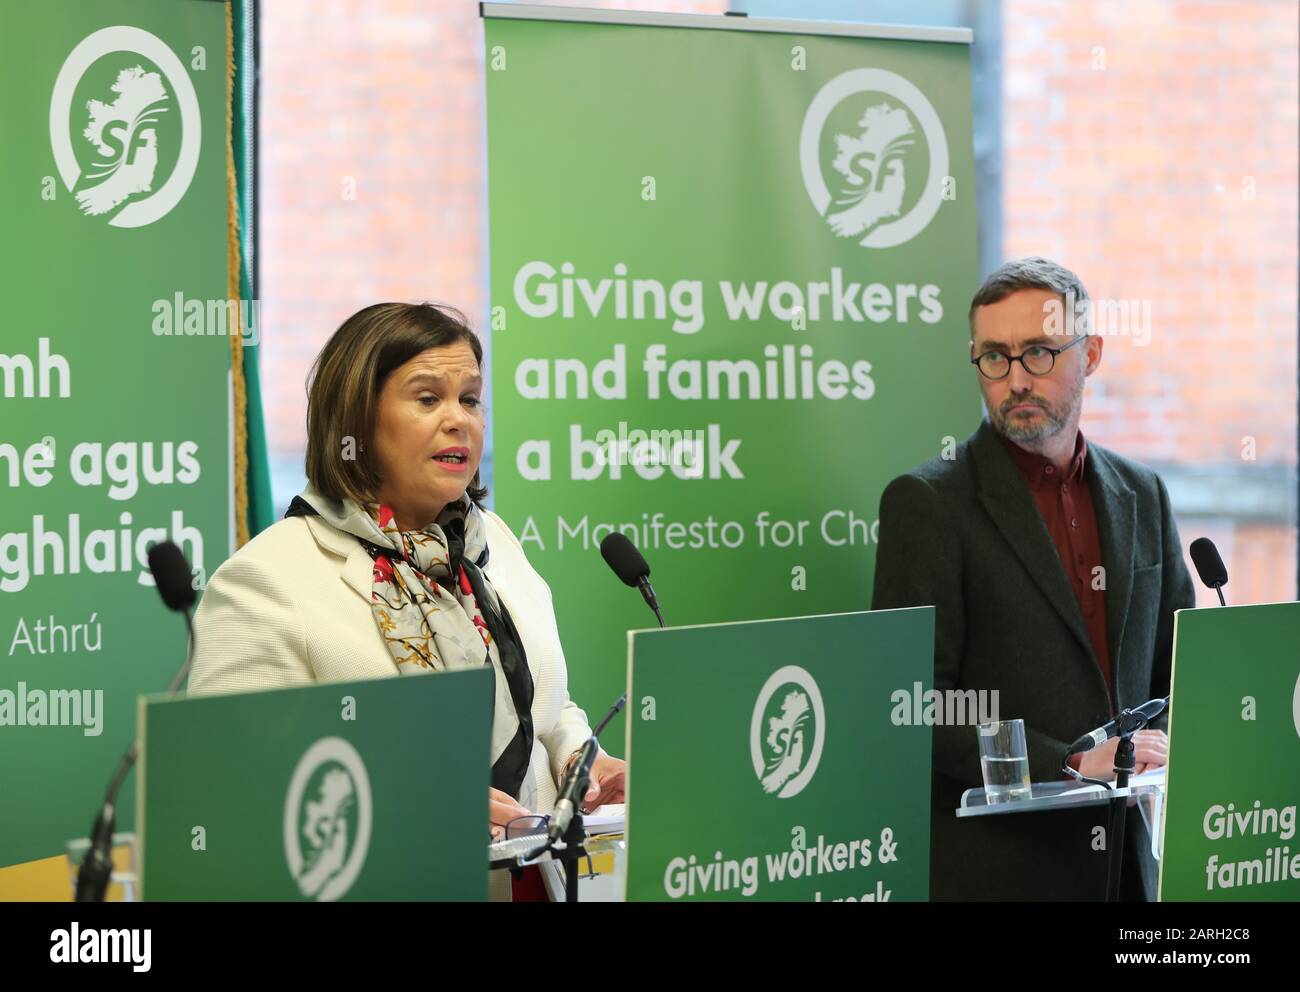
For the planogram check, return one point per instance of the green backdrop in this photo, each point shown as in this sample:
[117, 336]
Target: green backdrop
[726, 159]
[96, 285]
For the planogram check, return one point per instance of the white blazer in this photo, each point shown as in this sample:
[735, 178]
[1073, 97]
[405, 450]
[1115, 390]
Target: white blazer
[292, 607]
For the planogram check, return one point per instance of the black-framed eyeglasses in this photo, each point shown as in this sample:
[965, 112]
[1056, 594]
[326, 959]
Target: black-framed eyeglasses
[526, 826]
[1037, 359]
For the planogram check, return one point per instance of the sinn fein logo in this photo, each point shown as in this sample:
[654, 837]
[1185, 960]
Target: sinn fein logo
[874, 157]
[327, 819]
[124, 126]
[787, 732]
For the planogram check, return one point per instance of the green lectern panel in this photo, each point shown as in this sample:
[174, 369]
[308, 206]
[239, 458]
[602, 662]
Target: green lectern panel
[359, 790]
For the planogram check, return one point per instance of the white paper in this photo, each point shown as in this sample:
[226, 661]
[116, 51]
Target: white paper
[608, 819]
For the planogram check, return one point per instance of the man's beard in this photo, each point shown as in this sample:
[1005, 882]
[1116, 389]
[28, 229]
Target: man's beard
[1052, 420]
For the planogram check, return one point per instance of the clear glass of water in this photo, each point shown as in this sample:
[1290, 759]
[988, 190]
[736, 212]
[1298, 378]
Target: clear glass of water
[1004, 761]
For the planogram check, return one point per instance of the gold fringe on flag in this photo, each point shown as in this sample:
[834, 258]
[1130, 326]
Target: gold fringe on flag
[232, 293]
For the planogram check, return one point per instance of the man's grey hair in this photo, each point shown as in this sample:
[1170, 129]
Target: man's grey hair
[1034, 272]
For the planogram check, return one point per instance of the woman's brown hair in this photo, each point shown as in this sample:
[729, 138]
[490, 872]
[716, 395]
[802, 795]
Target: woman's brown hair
[344, 384]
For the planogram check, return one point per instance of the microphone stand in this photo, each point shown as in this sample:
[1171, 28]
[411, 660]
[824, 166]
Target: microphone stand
[97, 866]
[575, 837]
[1130, 722]
[1125, 763]
[575, 834]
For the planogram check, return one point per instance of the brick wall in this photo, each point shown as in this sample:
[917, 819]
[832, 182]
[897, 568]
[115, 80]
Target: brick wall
[1152, 147]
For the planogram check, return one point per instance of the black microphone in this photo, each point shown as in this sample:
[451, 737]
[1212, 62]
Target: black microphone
[630, 565]
[576, 781]
[1209, 565]
[1127, 722]
[575, 788]
[171, 574]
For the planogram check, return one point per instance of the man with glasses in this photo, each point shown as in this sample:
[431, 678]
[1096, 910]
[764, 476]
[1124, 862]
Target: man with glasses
[1054, 567]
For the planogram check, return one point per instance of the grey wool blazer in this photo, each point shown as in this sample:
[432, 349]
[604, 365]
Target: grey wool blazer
[964, 535]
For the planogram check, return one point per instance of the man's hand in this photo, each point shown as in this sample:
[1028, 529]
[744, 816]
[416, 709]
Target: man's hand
[1151, 750]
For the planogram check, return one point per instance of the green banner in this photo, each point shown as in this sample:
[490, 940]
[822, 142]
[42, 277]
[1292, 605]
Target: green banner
[114, 381]
[1234, 747]
[768, 760]
[357, 791]
[730, 270]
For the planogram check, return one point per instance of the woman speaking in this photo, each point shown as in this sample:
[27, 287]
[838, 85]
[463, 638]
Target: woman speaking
[388, 564]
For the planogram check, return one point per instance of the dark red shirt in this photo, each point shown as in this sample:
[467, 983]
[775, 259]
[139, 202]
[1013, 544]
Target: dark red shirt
[1067, 510]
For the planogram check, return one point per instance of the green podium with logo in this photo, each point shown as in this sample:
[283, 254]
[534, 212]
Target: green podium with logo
[357, 791]
[1234, 756]
[765, 760]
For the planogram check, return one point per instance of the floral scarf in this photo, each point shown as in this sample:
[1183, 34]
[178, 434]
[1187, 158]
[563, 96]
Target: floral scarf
[437, 611]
